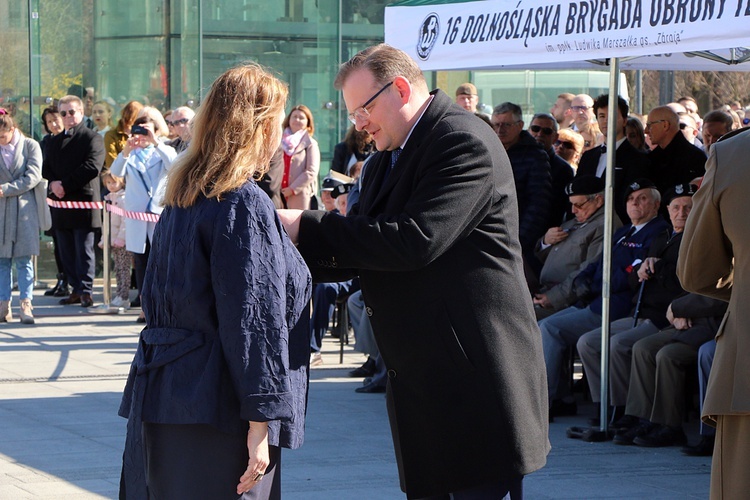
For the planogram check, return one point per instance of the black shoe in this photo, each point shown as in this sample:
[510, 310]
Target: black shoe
[51, 291]
[63, 291]
[661, 436]
[626, 422]
[370, 388]
[366, 370]
[704, 448]
[86, 300]
[560, 408]
[626, 437]
[74, 298]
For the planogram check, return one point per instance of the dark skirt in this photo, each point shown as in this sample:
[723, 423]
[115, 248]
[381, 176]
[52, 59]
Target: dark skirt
[198, 461]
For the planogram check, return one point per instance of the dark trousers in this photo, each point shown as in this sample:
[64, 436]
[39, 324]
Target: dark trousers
[77, 254]
[494, 491]
[324, 302]
[140, 261]
[199, 461]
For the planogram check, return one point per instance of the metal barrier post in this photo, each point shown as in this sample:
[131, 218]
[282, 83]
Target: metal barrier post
[105, 308]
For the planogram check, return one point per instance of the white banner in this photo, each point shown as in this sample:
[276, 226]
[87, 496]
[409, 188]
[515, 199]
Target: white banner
[502, 33]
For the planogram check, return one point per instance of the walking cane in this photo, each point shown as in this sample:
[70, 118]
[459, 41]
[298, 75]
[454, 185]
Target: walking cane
[638, 302]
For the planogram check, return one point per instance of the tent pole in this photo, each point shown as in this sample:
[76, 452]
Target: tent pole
[638, 91]
[613, 111]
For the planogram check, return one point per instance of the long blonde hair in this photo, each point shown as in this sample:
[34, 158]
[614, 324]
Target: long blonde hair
[235, 133]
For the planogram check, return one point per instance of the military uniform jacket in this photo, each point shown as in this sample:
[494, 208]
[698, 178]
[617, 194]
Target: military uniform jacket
[439, 259]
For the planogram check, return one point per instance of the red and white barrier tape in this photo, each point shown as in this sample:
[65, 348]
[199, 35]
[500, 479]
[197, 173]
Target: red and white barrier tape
[75, 204]
[142, 216]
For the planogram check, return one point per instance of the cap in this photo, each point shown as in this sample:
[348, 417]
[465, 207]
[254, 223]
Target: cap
[637, 185]
[678, 191]
[585, 185]
[341, 189]
[334, 179]
[466, 88]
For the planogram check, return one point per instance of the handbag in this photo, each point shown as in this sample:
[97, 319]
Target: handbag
[40, 194]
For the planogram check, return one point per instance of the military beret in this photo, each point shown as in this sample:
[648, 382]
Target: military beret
[585, 185]
[341, 189]
[637, 185]
[679, 190]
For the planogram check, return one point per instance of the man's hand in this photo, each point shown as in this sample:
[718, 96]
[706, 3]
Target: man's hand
[290, 219]
[647, 269]
[540, 299]
[57, 189]
[554, 235]
[682, 323]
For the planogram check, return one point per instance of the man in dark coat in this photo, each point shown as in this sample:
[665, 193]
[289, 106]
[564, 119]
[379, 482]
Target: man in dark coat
[630, 164]
[674, 160]
[434, 241]
[72, 165]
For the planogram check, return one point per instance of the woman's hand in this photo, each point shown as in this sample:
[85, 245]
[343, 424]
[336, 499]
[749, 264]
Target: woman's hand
[288, 192]
[257, 448]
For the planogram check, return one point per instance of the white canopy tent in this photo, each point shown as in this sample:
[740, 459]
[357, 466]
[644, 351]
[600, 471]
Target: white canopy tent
[564, 34]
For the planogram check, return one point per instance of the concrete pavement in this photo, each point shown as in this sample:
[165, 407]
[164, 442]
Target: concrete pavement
[61, 438]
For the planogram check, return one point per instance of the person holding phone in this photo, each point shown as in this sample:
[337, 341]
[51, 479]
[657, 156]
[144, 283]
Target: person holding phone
[144, 162]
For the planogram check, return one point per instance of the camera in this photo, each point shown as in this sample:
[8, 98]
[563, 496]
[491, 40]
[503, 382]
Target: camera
[138, 130]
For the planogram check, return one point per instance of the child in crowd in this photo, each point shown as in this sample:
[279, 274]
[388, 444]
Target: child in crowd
[122, 258]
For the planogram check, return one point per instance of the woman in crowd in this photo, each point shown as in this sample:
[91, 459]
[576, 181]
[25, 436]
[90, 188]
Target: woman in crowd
[53, 124]
[569, 146]
[635, 133]
[301, 159]
[20, 172]
[357, 146]
[144, 162]
[102, 114]
[115, 139]
[219, 380]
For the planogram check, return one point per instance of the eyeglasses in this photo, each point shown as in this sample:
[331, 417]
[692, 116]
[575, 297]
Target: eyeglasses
[504, 125]
[565, 144]
[544, 130]
[580, 109]
[683, 126]
[579, 206]
[181, 121]
[64, 113]
[361, 112]
[650, 124]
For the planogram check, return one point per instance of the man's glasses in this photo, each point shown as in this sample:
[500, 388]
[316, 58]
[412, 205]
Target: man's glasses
[361, 112]
[504, 125]
[64, 113]
[580, 109]
[565, 144]
[544, 130]
[651, 124]
[579, 206]
[683, 126]
[181, 121]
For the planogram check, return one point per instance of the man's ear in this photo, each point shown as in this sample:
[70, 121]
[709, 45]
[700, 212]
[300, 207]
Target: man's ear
[404, 88]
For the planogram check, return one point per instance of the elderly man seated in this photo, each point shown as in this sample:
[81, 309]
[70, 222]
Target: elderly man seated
[630, 246]
[658, 285]
[567, 250]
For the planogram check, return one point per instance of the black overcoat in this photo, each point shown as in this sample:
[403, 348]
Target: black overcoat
[438, 254]
[76, 160]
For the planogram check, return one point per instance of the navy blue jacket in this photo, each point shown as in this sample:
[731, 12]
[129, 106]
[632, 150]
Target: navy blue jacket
[624, 254]
[224, 289]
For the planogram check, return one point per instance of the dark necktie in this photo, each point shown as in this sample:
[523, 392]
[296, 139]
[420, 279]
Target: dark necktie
[394, 158]
[627, 235]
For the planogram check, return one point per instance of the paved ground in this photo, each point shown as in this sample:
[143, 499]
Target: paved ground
[60, 385]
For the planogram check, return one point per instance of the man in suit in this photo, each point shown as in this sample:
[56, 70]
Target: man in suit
[715, 124]
[72, 165]
[434, 239]
[714, 253]
[630, 164]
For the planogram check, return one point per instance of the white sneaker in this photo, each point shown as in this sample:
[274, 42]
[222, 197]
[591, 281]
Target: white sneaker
[316, 359]
[120, 302]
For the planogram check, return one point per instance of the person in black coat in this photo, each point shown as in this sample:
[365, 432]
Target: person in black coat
[219, 379]
[356, 146]
[434, 239]
[630, 163]
[72, 164]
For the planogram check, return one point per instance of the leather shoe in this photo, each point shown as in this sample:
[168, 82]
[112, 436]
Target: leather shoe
[661, 436]
[370, 388]
[704, 448]
[73, 298]
[86, 300]
[626, 437]
[366, 370]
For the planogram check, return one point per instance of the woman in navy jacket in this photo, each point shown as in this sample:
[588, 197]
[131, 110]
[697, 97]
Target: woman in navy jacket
[219, 380]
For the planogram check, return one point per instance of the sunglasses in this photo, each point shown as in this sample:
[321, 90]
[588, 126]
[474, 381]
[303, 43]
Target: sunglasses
[72, 112]
[580, 108]
[545, 130]
[181, 121]
[565, 144]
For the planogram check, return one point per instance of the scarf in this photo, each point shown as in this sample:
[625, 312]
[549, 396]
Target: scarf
[8, 152]
[290, 141]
